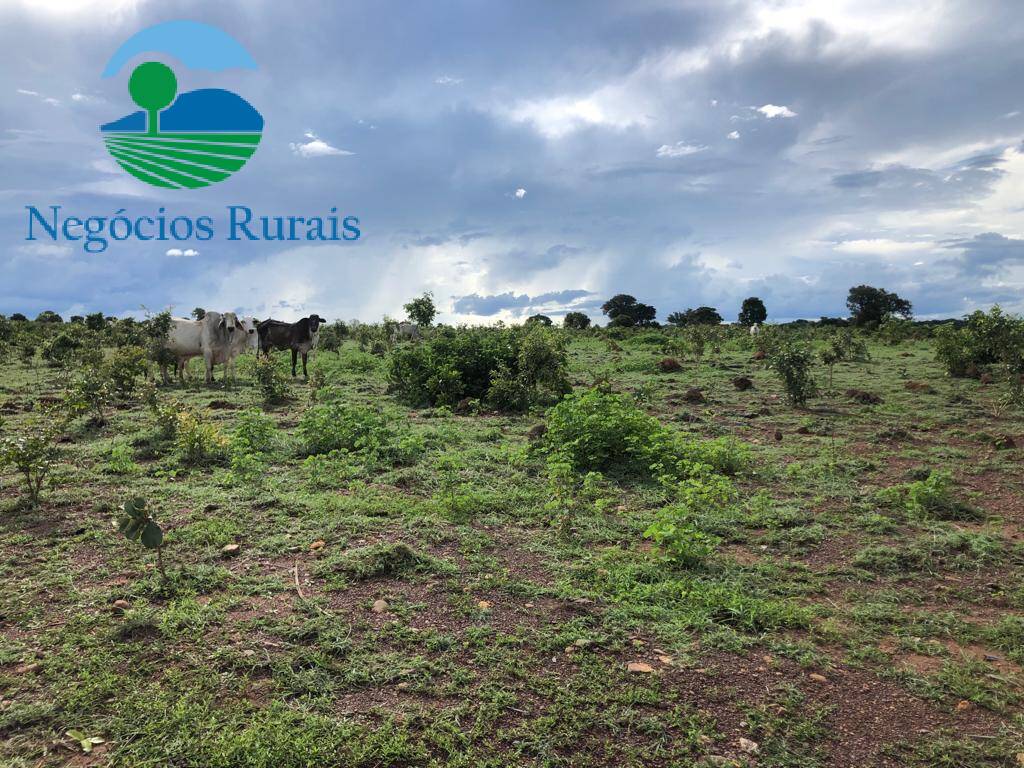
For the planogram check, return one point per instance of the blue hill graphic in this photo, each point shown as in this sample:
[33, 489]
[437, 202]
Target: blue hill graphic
[208, 109]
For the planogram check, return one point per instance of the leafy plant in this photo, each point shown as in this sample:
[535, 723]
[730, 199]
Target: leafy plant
[32, 455]
[507, 368]
[136, 523]
[198, 441]
[254, 437]
[792, 362]
[121, 460]
[270, 381]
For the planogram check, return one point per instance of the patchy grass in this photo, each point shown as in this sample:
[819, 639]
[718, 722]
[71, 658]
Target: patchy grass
[857, 600]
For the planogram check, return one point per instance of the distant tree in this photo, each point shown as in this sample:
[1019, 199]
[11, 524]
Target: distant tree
[95, 321]
[422, 310]
[625, 311]
[752, 312]
[576, 321]
[538, 320]
[77, 320]
[870, 305]
[17, 316]
[48, 316]
[198, 313]
[698, 316]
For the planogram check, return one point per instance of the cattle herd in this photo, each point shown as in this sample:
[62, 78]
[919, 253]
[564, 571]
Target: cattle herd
[220, 337]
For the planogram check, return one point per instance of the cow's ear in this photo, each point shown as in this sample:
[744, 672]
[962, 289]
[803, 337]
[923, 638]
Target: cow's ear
[223, 321]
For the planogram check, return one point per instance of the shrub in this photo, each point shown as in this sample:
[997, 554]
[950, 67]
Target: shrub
[986, 339]
[523, 365]
[270, 381]
[198, 441]
[335, 426]
[674, 532]
[254, 437]
[121, 460]
[61, 348]
[604, 432]
[123, 368]
[931, 498]
[792, 362]
[32, 455]
[89, 391]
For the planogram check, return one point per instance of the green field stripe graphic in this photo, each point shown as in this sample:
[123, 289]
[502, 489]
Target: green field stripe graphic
[200, 158]
[234, 138]
[163, 169]
[233, 150]
[196, 172]
[141, 175]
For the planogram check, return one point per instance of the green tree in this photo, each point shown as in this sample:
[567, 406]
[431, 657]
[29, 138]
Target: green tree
[625, 311]
[752, 312]
[95, 321]
[153, 86]
[47, 316]
[870, 306]
[698, 316]
[538, 320]
[422, 310]
[576, 321]
[198, 313]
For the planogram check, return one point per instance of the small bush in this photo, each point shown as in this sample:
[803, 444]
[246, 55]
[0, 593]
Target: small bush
[199, 442]
[270, 381]
[604, 432]
[793, 362]
[121, 460]
[674, 532]
[986, 339]
[32, 455]
[508, 368]
[930, 498]
[90, 391]
[335, 426]
[254, 437]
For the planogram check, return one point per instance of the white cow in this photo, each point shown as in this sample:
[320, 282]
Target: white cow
[404, 331]
[217, 338]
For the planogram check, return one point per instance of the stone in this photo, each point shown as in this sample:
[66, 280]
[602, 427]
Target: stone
[380, 606]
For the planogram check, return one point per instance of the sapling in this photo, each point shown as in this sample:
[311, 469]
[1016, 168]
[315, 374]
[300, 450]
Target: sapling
[136, 523]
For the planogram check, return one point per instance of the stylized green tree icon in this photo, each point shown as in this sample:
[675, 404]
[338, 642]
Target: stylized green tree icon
[153, 86]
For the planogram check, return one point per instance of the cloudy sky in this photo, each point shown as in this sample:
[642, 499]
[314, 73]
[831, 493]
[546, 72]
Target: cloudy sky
[523, 157]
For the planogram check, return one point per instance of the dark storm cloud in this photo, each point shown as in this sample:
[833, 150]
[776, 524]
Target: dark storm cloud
[986, 254]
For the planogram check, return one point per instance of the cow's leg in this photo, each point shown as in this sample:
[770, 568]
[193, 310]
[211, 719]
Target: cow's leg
[295, 360]
[163, 373]
[305, 375]
[180, 365]
[209, 367]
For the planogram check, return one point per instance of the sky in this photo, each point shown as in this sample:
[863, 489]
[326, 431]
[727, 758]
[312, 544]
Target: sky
[523, 157]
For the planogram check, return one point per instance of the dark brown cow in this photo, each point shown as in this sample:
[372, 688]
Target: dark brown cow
[299, 337]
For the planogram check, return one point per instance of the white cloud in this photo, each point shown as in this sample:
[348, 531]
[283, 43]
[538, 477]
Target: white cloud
[883, 247]
[519, 193]
[447, 80]
[680, 149]
[316, 147]
[178, 252]
[771, 111]
[733, 135]
[46, 250]
[46, 99]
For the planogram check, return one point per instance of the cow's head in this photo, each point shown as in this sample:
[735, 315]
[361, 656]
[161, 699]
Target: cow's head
[228, 322]
[249, 326]
[315, 321]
